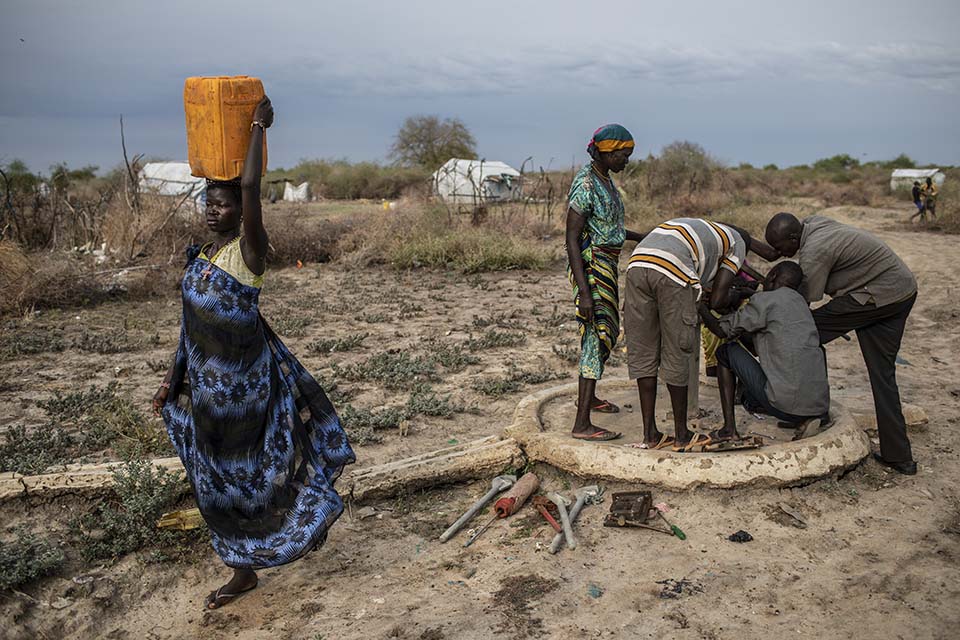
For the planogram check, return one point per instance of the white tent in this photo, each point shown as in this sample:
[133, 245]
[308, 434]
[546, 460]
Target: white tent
[904, 178]
[299, 193]
[173, 179]
[476, 182]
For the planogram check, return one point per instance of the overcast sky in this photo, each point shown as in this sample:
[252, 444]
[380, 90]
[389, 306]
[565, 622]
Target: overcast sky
[754, 82]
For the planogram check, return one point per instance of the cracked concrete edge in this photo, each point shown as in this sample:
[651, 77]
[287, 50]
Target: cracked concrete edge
[482, 458]
[467, 461]
[839, 448]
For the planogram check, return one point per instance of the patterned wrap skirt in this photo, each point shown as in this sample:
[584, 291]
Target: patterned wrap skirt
[260, 441]
[598, 338]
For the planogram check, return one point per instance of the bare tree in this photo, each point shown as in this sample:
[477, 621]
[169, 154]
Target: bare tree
[428, 141]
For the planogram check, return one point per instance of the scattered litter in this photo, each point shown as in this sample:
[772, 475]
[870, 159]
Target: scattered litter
[456, 583]
[594, 591]
[378, 600]
[798, 520]
[740, 536]
[453, 441]
[903, 361]
[662, 507]
[83, 579]
[676, 588]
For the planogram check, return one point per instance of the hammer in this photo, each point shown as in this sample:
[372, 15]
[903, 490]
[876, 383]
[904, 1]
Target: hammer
[562, 504]
[584, 495]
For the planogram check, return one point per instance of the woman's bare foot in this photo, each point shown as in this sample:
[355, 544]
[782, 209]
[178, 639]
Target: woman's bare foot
[243, 580]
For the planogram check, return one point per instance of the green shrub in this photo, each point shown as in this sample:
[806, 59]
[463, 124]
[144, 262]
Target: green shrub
[451, 357]
[108, 342]
[113, 529]
[105, 418]
[396, 370]
[32, 452]
[839, 162]
[424, 401]
[491, 339]
[26, 558]
[28, 339]
[331, 345]
[515, 380]
[504, 320]
[342, 180]
[289, 325]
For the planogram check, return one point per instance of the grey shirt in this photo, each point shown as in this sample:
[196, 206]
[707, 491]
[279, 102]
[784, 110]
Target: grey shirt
[788, 344]
[838, 260]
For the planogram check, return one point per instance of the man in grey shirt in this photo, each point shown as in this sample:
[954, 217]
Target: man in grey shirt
[872, 293]
[790, 380]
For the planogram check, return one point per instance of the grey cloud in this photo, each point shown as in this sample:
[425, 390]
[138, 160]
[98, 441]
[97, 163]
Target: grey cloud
[936, 68]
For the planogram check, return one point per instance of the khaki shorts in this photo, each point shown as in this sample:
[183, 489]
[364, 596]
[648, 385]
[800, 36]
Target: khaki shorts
[660, 322]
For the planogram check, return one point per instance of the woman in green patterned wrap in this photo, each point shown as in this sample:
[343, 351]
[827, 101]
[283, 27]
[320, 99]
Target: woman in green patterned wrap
[595, 234]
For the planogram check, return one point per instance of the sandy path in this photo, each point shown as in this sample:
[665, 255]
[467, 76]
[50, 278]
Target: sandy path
[879, 557]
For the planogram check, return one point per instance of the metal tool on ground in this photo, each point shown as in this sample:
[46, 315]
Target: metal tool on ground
[547, 509]
[513, 499]
[631, 505]
[593, 494]
[479, 532]
[619, 521]
[674, 528]
[510, 503]
[498, 484]
[562, 504]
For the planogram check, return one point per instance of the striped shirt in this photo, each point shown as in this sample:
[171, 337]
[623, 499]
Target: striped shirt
[690, 251]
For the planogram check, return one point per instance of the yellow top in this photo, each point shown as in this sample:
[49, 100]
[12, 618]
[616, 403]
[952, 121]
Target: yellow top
[230, 258]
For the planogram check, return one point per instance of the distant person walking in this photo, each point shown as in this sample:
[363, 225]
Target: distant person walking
[595, 235]
[929, 194]
[915, 192]
[260, 441]
[872, 292]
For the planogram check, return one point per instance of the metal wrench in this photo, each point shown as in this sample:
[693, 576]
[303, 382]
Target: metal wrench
[497, 485]
[562, 504]
[584, 495]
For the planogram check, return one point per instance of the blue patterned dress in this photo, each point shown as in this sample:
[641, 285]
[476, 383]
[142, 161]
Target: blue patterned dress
[260, 441]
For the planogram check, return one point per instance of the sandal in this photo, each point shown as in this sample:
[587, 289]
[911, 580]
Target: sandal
[696, 444]
[665, 441]
[218, 598]
[602, 406]
[605, 406]
[600, 435]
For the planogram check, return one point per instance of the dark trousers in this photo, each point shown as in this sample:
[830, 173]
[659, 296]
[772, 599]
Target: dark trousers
[754, 381]
[879, 331]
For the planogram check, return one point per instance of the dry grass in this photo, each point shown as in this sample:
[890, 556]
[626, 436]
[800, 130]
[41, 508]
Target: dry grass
[948, 203]
[422, 234]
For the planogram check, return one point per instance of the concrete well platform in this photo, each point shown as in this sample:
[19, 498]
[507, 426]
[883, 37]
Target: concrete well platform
[542, 423]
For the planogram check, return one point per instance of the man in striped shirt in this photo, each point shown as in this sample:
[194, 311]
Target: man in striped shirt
[667, 274]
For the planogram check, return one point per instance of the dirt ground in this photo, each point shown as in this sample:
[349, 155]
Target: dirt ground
[876, 556]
